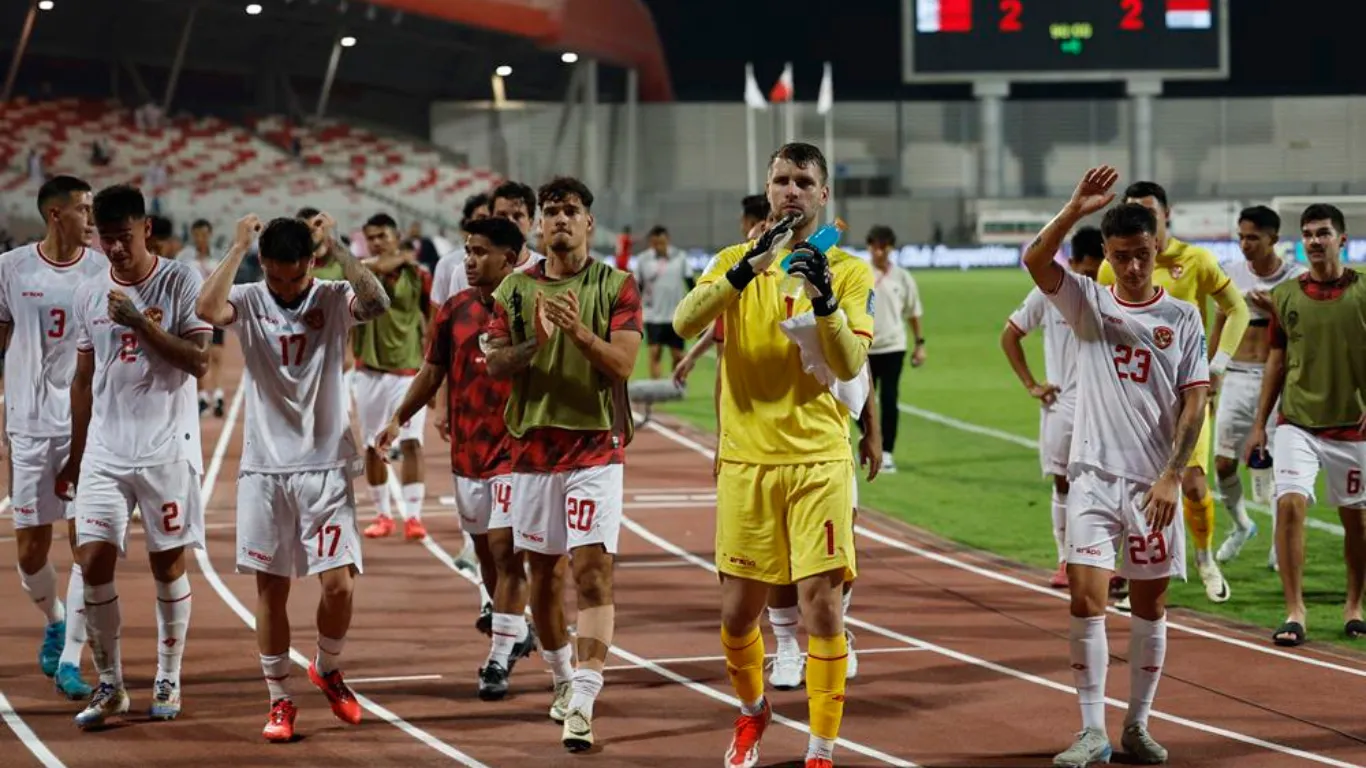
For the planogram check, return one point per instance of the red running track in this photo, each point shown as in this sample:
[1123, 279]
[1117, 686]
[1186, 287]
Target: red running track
[962, 658]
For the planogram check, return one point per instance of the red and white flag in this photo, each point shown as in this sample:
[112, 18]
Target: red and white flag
[1189, 14]
[826, 100]
[943, 16]
[782, 90]
[754, 98]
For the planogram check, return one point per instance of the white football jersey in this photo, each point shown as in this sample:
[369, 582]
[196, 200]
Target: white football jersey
[297, 417]
[1240, 272]
[1133, 363]
[36, 297]
[144, 411]
[1059, 345]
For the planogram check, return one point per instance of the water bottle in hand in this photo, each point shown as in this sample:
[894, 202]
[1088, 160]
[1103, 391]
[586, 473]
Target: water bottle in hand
[1263, 480]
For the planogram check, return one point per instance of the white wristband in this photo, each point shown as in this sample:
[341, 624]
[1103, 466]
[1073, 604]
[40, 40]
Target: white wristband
[1219, 362]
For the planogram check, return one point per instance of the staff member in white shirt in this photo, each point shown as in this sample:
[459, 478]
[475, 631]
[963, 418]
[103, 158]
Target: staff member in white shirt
[897, 305]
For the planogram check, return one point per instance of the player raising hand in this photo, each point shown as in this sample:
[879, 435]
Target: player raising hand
[1142, 384]
[296, 511]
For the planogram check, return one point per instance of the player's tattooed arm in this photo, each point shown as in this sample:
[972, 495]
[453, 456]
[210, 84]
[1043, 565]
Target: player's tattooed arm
[506, 359]
[1193, 403]
[1092, 194]
[371, 298]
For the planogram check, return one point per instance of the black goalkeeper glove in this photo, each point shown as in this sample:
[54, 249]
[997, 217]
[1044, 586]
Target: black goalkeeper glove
[763, 253]
[812, 266]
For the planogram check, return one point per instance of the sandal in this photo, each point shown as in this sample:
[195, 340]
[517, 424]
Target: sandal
[1296, 632]
[1355, 629]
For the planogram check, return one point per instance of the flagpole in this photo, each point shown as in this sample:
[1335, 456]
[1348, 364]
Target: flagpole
[791, 114]
[830, 147]
[751, 140]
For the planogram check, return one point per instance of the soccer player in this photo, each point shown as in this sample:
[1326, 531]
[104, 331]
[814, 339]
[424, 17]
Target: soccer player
[1261, 270]
[450, 268]
[1192, 274]
[1057, 395]
[199, 254]
[1142, 378]
[898, 306]
[135, 441]
[480, 445]
[567, 333]
[1316, 368]
[37, 287]
[664, 277]
[388, 353]
[296, 511]
[785, 476]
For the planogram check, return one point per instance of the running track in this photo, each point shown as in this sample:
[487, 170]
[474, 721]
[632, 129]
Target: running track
[963, 658]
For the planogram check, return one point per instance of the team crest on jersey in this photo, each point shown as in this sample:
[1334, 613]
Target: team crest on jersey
[154, 314]
[1163, 336]
[313, 318]
[1175, 271]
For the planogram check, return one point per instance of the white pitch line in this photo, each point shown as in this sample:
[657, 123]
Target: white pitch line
[679, 552]
[26, 735]
[249, 618]
[707, 659]
[639, 661]
[398, 679]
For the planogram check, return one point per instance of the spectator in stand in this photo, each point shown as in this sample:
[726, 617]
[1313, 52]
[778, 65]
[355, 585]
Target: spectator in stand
[163, 241]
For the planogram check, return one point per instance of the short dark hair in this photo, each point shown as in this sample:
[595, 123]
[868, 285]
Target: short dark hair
[1088, 243]
[307, 212]
[561, 187]
[1127, 220]
[59, 187]
[1262, 218]
[1321, 211]
[119, 203]
[756, 207]
[658, 229]
[881, 234]
[801, 155]
[162, 228]
[501, 232]
[286, 240]
[381, 220]
[201, 224]
[472, 204]
[1141, 189]
[514, 190]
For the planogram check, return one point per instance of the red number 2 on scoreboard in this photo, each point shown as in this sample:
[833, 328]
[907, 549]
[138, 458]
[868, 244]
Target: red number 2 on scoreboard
[1010, 15]
[1132, 20]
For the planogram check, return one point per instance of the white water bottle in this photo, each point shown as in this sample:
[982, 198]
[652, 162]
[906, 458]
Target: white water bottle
[1263, 479]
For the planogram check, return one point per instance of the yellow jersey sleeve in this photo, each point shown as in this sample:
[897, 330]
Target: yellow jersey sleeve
[846, 345]
[854, 286]
[709, 298]
[1106, 276]
[1210, 277]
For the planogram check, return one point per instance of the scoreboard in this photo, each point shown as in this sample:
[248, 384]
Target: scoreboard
[1064, 40]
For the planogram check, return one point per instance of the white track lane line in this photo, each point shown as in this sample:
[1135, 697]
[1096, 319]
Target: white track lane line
[249, 618]
[27, 737]
[678, 551]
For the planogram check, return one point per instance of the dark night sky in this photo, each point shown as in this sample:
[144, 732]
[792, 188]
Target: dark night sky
[1278, 47]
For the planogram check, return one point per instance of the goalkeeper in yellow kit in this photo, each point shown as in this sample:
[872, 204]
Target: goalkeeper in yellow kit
[1193, 274]
[785, 476]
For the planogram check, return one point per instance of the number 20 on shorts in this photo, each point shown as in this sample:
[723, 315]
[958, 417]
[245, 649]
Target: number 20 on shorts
[579, 513]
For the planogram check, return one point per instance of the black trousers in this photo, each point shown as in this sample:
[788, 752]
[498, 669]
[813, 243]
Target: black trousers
[886, 369]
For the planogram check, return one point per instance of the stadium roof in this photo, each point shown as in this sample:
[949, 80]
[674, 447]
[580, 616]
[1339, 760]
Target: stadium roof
[618, 31]
[415, 51]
